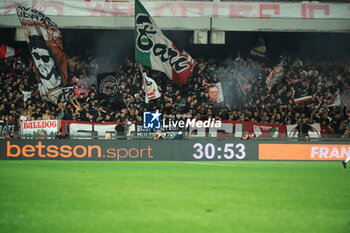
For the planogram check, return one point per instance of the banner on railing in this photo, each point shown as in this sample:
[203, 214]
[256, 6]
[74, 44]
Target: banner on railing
[184, 9]
[87, 129]
[292, 131]
[44, 127]
[142, 132]
[231, 129]
[228, 129]
[6, 128]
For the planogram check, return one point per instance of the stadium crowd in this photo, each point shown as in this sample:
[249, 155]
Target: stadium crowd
[325, 81]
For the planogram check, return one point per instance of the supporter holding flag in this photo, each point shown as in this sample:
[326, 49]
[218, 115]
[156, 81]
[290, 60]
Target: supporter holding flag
[108, 90]
[243, 83]
[154, 50]
[45, 45]
[276, 74]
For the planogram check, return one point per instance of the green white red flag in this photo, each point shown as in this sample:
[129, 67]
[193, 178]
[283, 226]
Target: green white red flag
[154, 50]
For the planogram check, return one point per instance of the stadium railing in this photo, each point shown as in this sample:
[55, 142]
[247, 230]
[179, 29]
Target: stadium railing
[4, 135]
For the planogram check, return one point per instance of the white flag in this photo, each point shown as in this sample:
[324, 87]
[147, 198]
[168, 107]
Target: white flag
[151, 88]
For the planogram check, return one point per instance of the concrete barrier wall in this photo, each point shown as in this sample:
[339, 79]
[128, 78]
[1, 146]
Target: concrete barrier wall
[171, 150]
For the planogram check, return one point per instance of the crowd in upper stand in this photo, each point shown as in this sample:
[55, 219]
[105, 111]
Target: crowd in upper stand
[325, 81]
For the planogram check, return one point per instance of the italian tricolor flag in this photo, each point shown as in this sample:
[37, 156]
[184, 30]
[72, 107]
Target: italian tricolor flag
[154, 50]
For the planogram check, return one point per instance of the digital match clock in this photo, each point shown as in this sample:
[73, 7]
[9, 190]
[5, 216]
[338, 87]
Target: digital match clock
[209, 151]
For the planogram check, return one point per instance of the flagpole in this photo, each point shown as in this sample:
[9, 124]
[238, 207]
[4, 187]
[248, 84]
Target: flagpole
[146, 94]
[144, 85]
[126, 104]
[239, 83]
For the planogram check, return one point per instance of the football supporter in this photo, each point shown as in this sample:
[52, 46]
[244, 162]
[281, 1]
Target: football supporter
[159, 135]
[243, 81]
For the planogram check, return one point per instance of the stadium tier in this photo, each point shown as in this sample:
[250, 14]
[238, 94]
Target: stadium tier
[174, 116]
[255, 69]
[274, 89]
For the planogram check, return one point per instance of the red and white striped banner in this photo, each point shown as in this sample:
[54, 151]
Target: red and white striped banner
[303, 99]
[294, 10]
[7, 51]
